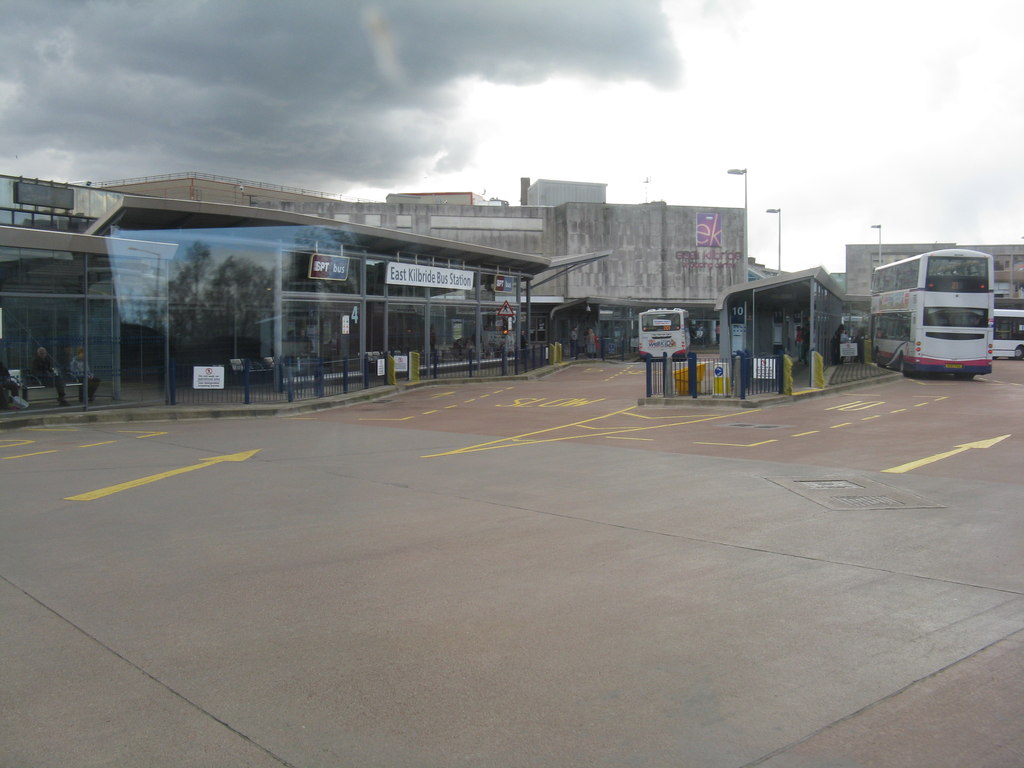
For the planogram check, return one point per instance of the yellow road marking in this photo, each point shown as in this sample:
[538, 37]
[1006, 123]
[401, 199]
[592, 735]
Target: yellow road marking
[26, 455]
[802, 434]
[918, 405]
[142, 434]
[939, 456]
[15, 443]
[402, 418]
[856, 405]
[739, 445]
[898, 410]
[529, 439]
[844, 424]
[427, 413]
[93, 445]
[869, 418]
[112, 489]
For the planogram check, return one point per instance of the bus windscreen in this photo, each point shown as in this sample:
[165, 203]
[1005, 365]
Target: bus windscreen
[957, 273]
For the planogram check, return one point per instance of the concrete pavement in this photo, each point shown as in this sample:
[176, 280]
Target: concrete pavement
[342, 600]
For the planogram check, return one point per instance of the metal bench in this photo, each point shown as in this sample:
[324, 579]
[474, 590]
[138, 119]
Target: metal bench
[27, 382]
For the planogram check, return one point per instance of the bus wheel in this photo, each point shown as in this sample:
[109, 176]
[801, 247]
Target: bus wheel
[898, 366]
[1018, 353]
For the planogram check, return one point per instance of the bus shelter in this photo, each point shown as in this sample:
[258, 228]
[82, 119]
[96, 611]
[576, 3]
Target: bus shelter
[767, 317]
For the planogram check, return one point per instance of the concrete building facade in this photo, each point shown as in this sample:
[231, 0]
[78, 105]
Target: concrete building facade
[1008, 260]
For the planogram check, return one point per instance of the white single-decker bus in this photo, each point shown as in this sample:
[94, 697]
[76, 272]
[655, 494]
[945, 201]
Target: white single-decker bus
[661, 331]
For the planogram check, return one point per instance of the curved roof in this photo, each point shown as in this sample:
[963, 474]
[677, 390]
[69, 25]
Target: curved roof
[142, 213]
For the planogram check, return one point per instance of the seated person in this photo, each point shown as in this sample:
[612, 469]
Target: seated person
[82, 373]
[44, 369]
[8, 388]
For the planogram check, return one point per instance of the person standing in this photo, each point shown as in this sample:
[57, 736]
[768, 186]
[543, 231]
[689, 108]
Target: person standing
[47, 373]
[837, 340]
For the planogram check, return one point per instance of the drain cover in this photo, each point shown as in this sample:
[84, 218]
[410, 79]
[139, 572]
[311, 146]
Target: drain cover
[879, 502]
[826, 485]
[839, 494]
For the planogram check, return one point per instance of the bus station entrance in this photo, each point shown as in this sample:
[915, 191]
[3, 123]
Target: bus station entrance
[795, 314]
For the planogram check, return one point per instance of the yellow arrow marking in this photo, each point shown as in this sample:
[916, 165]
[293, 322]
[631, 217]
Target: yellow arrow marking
[112, 489]
[940, 456]
[142, 434]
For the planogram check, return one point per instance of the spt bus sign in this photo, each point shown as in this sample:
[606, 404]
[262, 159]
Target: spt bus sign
[322, 267]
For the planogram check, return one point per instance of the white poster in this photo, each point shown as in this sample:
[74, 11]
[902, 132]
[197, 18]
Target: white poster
[208, 377]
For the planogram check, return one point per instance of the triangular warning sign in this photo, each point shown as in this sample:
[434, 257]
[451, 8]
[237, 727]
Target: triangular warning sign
[506, 310]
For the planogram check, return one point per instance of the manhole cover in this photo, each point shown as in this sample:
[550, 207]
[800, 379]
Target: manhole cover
[834, 493]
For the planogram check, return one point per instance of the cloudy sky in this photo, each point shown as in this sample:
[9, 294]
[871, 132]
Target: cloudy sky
[905, 113]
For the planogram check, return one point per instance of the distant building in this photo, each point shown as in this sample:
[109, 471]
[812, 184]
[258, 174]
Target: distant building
[548, 192]
[442, 198]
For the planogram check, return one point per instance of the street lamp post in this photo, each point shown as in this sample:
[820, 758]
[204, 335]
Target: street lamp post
[778, 211]
[879, 228]
[743, 172]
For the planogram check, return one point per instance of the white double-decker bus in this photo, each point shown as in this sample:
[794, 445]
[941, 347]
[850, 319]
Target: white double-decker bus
[932, 313]
[1008, 334]
[663, 330]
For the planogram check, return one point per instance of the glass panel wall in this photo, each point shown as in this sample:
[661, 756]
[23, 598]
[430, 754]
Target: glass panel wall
[406, 328]
[453, 330]
[163, 301]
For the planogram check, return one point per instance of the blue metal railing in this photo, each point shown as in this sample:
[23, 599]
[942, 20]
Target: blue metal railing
[740, 376]
[290, 379]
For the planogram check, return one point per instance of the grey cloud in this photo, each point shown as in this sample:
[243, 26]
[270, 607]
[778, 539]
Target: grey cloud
[293, 92]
